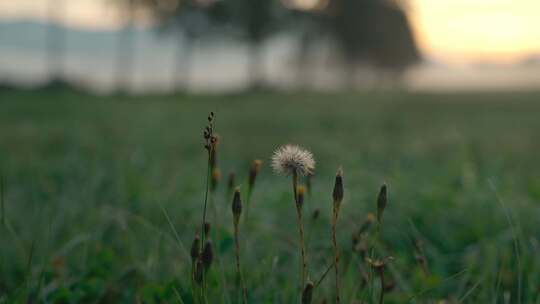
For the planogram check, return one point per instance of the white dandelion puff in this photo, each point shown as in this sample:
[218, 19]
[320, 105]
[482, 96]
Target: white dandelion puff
[291, 159]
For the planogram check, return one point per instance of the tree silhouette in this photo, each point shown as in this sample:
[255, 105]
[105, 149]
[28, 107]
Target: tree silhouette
[189, 21]
[125, 47]
[256, 20]
[55, 40]
[373, 30]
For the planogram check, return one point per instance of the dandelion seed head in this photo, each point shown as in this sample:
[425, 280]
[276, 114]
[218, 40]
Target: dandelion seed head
[291, 158]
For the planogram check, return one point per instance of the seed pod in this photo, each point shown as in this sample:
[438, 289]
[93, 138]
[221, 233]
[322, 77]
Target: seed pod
[381, 203]
[253, 172]
[195, 248]
[300, 193]
[207, 255]
[209, 137]
[216, 177]
[207, 227]
[337, 194]
[307, 294]
[236, 206]
[198, 273]
[214, 140]
[316, 214]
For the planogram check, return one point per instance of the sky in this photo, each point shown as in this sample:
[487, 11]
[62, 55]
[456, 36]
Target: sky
[458, 31]
[451, 31]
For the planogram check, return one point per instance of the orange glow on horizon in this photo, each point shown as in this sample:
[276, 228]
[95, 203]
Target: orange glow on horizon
[464, 31]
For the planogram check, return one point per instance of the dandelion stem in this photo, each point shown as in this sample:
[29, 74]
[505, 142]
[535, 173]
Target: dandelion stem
[303, 266]
[295, 184]
[302, 245]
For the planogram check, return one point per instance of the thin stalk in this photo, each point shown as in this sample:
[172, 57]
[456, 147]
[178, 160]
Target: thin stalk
[215, 236]
[192, 279]
[336, 251]
[324, 274]
[303, 267]
[178, 296]
[302, 245]
[203, 233]
[215, 223]
[2, 200]
[514, 239]
[239, 278]
[295, 184]
[381, 276]
[205, 200]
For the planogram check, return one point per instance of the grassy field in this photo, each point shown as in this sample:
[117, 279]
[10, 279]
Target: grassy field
[103, 196]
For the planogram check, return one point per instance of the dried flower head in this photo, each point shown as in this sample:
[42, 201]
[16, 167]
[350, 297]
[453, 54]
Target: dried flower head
[337, 194]
[210, 139]
[216, 177]
[307, 294]
[207, 255]
[381, 203]
[198, 272]
[195, 248]
[291, 159]
[254, 171]
[236, 206]
[207, 228]
[213, 151]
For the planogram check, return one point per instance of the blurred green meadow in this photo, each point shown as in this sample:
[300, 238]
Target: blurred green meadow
[103, 195]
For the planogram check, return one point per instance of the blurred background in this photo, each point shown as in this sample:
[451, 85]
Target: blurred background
[142, 46]
[102, 167]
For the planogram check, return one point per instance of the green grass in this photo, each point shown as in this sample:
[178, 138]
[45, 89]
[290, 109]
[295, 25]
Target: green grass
[90, 182]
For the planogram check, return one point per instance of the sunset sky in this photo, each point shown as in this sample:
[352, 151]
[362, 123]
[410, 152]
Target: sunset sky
[452, 31]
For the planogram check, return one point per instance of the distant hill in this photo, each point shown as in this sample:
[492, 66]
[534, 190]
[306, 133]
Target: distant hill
[89, 55]
[533, 60]
[32, 35]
